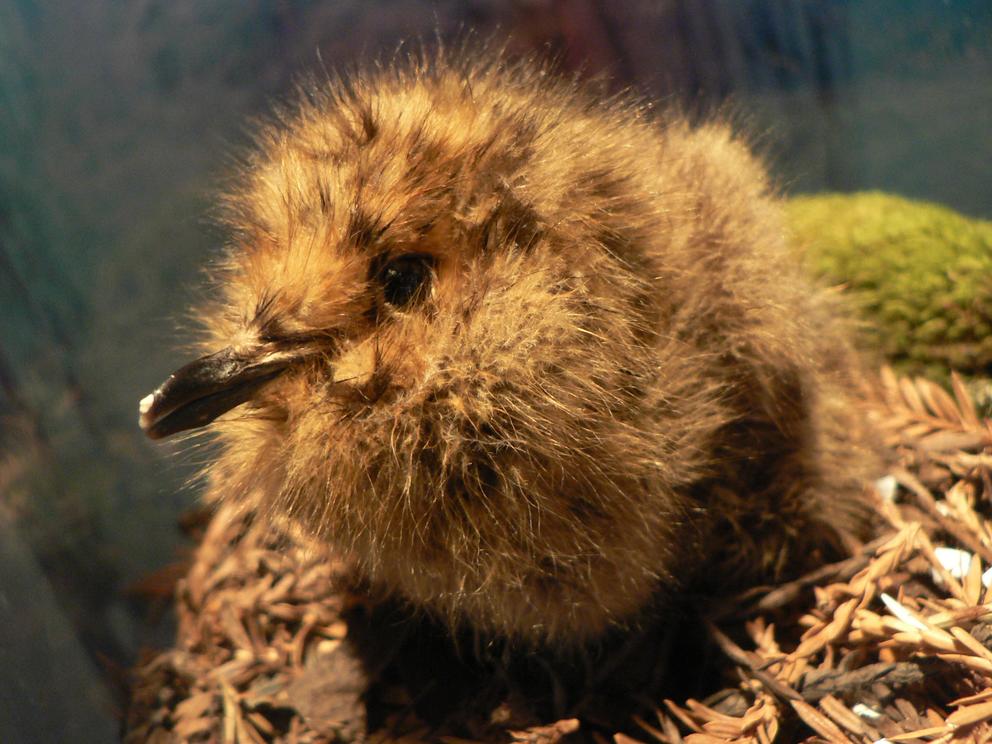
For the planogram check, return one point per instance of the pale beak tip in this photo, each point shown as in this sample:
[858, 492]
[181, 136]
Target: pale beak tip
[144, 406]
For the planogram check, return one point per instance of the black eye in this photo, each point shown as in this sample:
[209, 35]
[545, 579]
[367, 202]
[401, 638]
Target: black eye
[404, 278]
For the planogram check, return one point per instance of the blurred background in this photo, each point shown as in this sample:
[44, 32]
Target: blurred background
[118, 117]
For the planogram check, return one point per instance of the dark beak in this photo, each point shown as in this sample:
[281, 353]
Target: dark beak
[196, 394]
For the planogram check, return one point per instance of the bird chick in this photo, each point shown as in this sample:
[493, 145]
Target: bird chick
[529, 357]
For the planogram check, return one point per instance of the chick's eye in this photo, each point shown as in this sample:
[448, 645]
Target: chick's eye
[404, 278]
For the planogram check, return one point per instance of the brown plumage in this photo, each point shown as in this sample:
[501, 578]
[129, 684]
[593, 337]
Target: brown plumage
[530, 357]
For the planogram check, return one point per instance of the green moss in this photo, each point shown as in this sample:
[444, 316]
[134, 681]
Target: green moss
[921, 274]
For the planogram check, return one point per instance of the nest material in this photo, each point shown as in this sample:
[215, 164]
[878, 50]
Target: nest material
[892, 644]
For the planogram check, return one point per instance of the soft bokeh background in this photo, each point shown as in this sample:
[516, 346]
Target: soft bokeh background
[116, 120]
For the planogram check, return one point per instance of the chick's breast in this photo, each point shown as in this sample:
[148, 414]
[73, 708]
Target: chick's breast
[531, 358]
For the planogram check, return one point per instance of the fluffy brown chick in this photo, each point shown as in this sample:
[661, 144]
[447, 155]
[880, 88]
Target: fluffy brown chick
[530, 357]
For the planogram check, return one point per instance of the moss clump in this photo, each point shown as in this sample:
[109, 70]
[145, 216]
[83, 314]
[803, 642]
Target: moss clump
[921, 273]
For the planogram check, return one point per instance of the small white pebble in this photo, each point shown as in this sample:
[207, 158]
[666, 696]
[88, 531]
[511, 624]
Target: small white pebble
[881, 741]
[944, 509]
[902, 613]
[987, 578]
[887, 487]
[956, 561]
[865, 712]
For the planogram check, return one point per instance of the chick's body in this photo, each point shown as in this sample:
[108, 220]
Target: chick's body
[534, 359]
